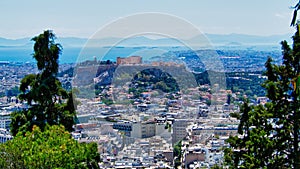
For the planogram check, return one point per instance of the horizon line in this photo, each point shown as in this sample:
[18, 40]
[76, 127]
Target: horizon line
[220, 34]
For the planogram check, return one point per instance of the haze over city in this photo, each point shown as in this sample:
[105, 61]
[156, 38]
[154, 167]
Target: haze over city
[21, 19]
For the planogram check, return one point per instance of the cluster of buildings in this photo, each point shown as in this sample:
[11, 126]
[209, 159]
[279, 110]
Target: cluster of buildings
[133, 138]
[11, 75]
[7, 106]
[232, 60]
[142, 132]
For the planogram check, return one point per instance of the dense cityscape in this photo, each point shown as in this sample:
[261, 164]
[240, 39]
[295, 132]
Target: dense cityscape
[140, 125]
[150, 85]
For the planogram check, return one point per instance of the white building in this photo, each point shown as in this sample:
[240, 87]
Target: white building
[139, 129]
[5, 135]
[179, 129]
[5, 120]
[143, 130]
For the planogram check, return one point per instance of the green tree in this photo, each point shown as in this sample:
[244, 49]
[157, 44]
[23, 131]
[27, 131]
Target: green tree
[52, 148]
[177, 154]
[48, 102]
[270, 133]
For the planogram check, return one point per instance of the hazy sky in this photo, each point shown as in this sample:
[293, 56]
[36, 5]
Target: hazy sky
[83, 18]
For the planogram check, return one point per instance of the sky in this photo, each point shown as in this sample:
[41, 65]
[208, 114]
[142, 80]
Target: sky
[76, 18]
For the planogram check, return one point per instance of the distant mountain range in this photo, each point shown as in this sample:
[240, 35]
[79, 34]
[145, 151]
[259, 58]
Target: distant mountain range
[214, 39]
[248, 39]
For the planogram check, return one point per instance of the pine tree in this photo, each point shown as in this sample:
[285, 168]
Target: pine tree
[48, 102]
[269, 134]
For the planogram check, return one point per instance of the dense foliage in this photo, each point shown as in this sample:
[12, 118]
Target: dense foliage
[270, 133]
[48, 102]
[52, 148]
[154, 79]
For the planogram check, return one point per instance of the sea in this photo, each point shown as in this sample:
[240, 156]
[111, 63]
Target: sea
[77, 54]
[24, 54]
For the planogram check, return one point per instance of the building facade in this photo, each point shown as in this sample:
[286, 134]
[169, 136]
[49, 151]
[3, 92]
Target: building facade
[136, 129]
[5, 135]
[5, 120]
[179, 130]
